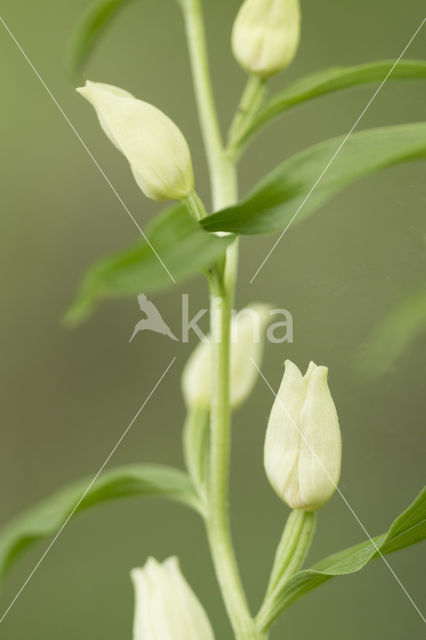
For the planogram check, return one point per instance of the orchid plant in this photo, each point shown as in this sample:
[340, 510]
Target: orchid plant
[302, 453]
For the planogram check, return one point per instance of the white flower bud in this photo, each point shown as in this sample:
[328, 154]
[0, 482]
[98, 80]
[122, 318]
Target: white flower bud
[247, 338]
[154, 146]
[303, 446]
[266, 35]
[166, 607]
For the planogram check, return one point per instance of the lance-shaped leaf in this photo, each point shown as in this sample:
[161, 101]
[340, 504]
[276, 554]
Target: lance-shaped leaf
[328, 81]
[178, 248]
[408, 529]
[46, 518]
[294, 191]
[392, 335]
[92, 25]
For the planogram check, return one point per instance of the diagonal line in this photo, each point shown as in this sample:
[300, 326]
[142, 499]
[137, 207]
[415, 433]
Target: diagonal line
[84, 494]
[92, 157]
[338, 150]
[340, 493]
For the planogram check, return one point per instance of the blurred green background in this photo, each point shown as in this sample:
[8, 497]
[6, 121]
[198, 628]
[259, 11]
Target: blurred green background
[68, 395]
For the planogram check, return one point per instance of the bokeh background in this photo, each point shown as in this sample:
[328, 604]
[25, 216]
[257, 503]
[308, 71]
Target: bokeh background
[67, 395]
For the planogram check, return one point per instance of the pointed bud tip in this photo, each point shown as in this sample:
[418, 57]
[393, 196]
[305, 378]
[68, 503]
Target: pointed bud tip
[87, 90]
[320, 372]
[173, 562]
[291, 367]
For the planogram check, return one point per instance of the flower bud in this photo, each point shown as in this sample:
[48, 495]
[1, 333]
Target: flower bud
[266, 35]
[303, 446]
[154, 146]
[166, 607]
[247, 338]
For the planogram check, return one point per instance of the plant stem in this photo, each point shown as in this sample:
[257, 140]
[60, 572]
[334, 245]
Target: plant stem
[195, 206]
[224, 192]
[219, 166]
[250, 102]
[218, 520]
[218, 527]
[289, 557]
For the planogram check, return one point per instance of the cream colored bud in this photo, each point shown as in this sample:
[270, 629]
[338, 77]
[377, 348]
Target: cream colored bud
[247, 339]
[166, 607]
[154, 146]
[303, 446]
[266, 35]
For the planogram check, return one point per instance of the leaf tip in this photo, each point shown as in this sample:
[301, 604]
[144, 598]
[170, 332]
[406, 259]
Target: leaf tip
[77, 313]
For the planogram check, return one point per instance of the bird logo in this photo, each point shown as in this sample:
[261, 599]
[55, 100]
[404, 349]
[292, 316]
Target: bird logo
[153, 321]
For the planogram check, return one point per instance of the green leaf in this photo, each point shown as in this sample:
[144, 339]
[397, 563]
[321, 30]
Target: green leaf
[328, 81]
[179, 242]
[46, 518]
[91, 27]
[274, 202]
[409, 528]
[392, 335]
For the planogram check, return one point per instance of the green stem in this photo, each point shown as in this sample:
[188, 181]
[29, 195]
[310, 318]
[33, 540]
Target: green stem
[218, 526]
[218, 164]
[223, 178]
[250, 102]
[195, 205]
[224, 192]
[289, 557]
